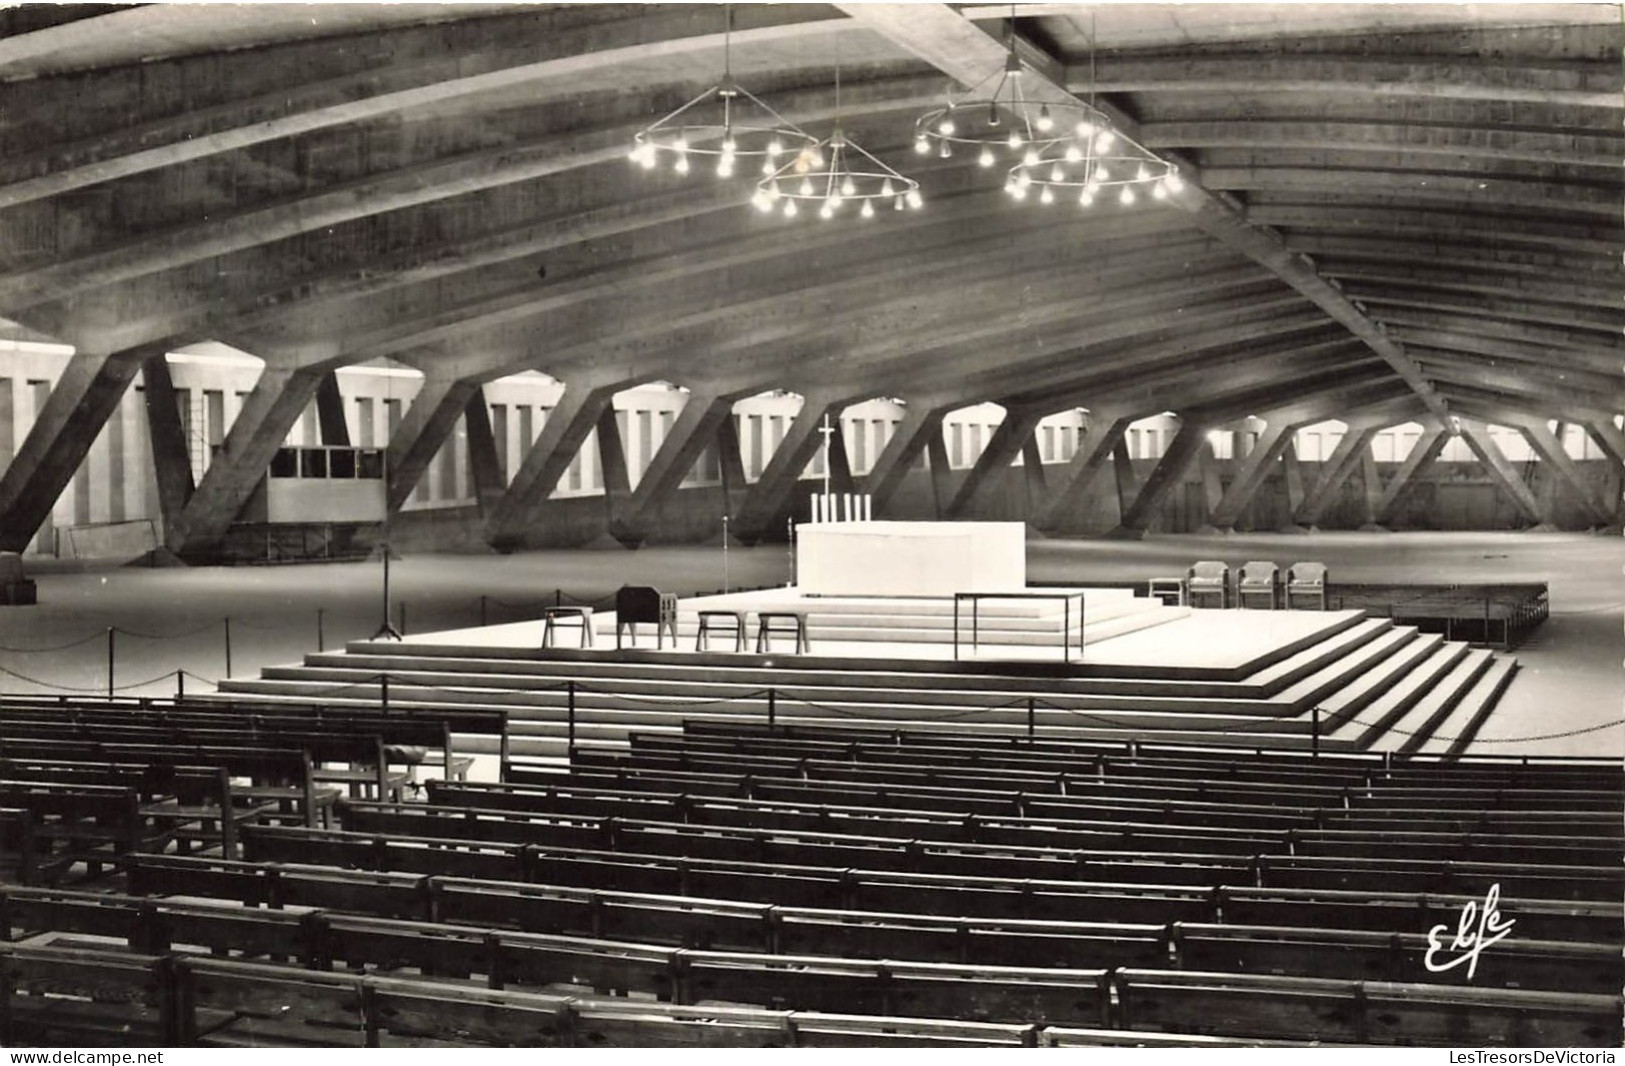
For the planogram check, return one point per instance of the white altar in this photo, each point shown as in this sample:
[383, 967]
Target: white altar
[910, 558]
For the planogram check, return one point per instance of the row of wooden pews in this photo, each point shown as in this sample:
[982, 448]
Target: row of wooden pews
[734, 886]
[91, 781]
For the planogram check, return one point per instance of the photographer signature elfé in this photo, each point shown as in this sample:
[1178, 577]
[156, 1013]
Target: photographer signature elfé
[1477, 930]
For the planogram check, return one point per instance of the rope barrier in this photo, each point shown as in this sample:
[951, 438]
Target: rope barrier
[100, 635]
[167, 675]
[204, 628]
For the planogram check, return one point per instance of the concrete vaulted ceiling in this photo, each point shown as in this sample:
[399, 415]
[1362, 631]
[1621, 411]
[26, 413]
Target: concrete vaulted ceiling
[1383, 202]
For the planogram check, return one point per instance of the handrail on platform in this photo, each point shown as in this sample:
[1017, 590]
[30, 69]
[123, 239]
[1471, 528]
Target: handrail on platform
[1066, 599]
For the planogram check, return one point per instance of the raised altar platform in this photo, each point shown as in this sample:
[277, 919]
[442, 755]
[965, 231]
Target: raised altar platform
[910, 558]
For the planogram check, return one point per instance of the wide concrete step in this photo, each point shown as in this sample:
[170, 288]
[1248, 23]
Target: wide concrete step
[1381, 676]
[1409, 733]
[1456, 733]
[1363, 729]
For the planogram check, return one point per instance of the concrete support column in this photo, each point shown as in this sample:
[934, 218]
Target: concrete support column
[1371, 496]
[330, 412]
[1125, 482]
[695, 427]
[1007, 442]
[613, 469]
[730, 463]
[1335, 471]
[936, 456]
[423, 430]
[1550, 449]
[1207, 463]
[1423, 455]
[1500, 470]
[85, 396]
[549, 457]
[484, 462]
[920, 425]
[1170, 471]
[767, 500]
[1254, 472]
[170, 461]
[1292, 476]
[1062, 512]
[1032, 473]
[280, 396]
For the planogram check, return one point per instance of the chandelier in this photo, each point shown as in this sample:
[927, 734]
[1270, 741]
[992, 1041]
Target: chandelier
[725, 122]
[1005, 117]
[1096, 163]
[833, 174]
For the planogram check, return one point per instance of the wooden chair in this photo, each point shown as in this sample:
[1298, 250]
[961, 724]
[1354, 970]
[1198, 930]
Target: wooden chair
[1306, 584]
[1207, 580]
[1259, 581]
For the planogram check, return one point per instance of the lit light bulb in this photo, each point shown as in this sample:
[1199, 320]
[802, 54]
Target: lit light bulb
[868, 210]
[1086, 198]
[789, 209]
[1056, 173]
[762, 200]
[636, 154]
[1159, 191]
[1142, 174]
[1126, 197]
[1101, 174]
[1045, 122]
[1105, 140]
[768, 168]
[826, 212]
[1031, 158]
[849, 187]
[806, 188]
[648, 159]
[834, 201]
[922, 145]
[946, 151]
[1046, 197]
[729, 145]
[1014, 140]
[1084, 129]
[1174, 181]
[1024, 179]
[885, 187]
[1019, 192]
[815, 156]
[946, 125]
[993, 115]
[773, 189]
[986, 158]
[681, 166]
[774, 148]
[897, 203]
[915, 200]
[725, 167]
[1074, 154]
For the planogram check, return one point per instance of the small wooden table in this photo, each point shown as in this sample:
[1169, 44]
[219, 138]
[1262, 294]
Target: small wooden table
[722, 621]
[783, 623]
[565, 618]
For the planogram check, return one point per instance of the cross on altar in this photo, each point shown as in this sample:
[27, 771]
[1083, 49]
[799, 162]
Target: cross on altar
[826, 430]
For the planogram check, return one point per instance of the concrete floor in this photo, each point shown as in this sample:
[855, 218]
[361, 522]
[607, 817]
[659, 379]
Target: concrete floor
[170, 620]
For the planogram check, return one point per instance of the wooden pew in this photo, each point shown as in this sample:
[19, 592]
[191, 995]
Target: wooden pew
[93, 825]
[17, 845]
[1364, 1012]
[55, 997]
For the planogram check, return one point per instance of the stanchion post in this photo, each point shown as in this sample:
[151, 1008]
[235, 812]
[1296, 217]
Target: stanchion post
[403, 618]
[110, 662]
[558, 597]
[1032, 719]
[321, 643]
[570, 705]
[180, 685]
[228, 645]
[772, 709]
[1314, 735]
[483, 623]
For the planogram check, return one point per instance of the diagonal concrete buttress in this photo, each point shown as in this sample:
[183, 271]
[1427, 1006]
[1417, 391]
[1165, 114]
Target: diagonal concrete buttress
[1552, 452]
[280, 396]
[84, 397]
[1254, 472]
[936, 457]
[1032, 474]
[1006, 443]
[171, 462]
[566, 429]
[423, 430]
[1170, 471]
[912, 436]
[1478, 438]
[1424, 453]
[330, 412]
[694, 428]
[1062, 512]
[484, 463]
[767, 500]
[1345, 459]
